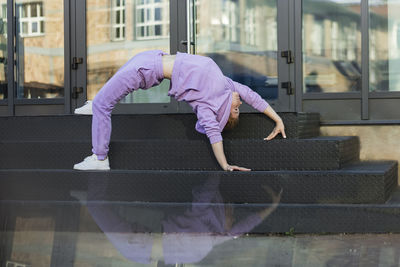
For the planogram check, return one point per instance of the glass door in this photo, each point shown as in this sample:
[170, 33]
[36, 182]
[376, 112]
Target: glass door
[32, 57]
[247, 39]
[117, 30]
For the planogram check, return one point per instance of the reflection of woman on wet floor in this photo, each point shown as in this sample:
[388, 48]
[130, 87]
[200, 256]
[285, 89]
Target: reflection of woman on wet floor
[186, 238]
[196, 80]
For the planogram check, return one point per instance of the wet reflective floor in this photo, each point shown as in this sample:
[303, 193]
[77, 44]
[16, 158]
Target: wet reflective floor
[35, 248]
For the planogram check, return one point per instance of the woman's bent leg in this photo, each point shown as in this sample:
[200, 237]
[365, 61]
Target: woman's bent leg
[121, 84]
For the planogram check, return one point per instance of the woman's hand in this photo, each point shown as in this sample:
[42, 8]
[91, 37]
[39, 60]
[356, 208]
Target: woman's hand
[232, 168]
[218, 149]
[279, 129]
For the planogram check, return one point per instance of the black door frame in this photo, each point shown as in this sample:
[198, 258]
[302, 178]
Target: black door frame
[13, 106]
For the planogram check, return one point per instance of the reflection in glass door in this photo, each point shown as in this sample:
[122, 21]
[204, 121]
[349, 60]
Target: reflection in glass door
[384, 46]
[331, 46]
[39, 48]
[241, 37]
[116, 31]
[3, 50]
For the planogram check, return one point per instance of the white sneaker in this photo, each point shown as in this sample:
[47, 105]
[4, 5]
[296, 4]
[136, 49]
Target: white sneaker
[92, 163]
[86, 109]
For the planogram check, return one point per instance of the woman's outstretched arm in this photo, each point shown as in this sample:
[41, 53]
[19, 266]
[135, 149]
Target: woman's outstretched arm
[218, 149]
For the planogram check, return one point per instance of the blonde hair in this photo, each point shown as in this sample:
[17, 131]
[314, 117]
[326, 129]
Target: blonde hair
[231, 123]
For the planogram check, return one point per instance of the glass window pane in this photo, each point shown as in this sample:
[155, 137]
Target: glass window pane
[141, 15]
[118, 17]
[24, 10]
[34, 27]
[4, 11]
[234, 34]
[384, 45]
[34, 10]
[331, 46]
[157, 14]
[157, 30]
[142, 31]
[25, 27]
[102, 64]
[43, 52]
[3, 51]
[40, 9]
[117, 33]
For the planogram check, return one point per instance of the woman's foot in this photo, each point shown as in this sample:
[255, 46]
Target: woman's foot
[86, 109]
[91, 163]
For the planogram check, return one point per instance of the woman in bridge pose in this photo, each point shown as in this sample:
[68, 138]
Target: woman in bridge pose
[195, 79]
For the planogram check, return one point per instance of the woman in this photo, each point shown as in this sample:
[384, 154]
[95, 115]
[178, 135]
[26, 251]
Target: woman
[196, 80]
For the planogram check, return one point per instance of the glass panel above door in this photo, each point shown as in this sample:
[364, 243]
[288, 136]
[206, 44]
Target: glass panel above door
[384, 45]
[40, 48]
[241, 37]
[117, 30]
[3, 50]
[331, 46]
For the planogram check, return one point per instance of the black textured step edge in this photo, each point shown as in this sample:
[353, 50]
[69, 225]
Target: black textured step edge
[357, 186]
[124, 126]
[291, 154]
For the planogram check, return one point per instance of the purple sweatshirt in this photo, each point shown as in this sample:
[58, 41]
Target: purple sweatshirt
[198, 81]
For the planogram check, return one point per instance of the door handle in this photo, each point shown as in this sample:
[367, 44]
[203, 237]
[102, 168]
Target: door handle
[76, 61]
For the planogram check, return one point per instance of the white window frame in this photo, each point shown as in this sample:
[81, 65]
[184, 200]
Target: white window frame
[121, 26]
[31, 20]
[149, 23]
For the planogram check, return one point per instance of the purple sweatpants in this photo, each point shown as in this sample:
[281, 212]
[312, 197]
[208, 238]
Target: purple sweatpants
[143, 71]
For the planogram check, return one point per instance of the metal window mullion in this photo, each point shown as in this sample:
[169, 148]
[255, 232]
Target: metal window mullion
[10, 57]
[364, 59]
[68, 44]
[298, 54]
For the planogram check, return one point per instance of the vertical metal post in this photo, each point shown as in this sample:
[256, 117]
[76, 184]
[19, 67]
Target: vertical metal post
[188, 25]
[298, 54]
[364, 59]
[173, 26]
[10, 57]
[283, 9]
[193, 17]
[79, 39]
[291, 45]
[67, 57]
